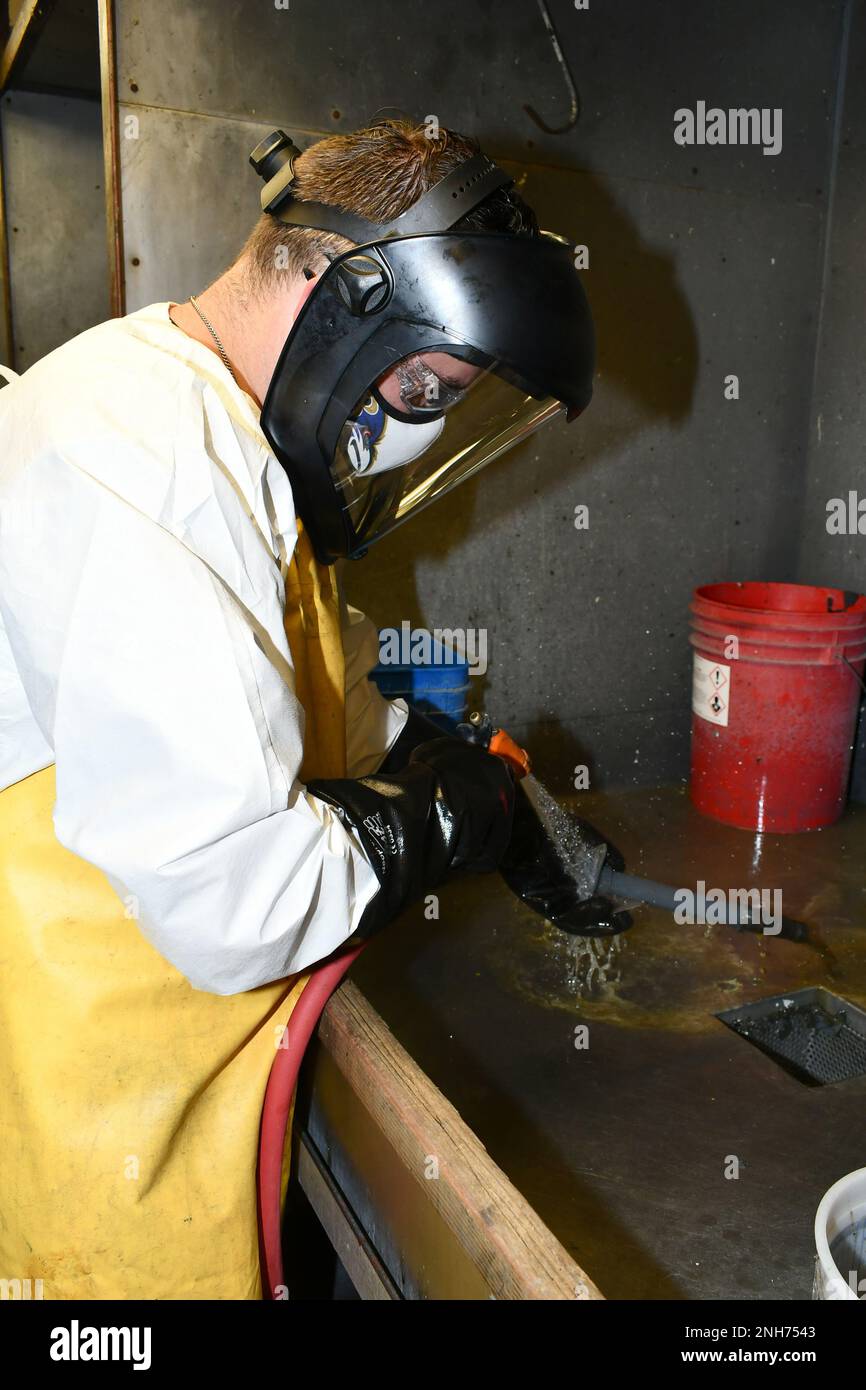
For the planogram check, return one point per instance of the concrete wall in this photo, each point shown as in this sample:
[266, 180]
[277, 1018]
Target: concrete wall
[703, 262]
[5, 337]
[836, 452]
[55, 219]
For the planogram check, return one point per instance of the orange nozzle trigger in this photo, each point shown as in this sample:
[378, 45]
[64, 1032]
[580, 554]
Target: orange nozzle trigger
[503, 745]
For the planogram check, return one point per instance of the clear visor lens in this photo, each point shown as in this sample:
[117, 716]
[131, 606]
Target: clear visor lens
[426, 383]
[410, 441]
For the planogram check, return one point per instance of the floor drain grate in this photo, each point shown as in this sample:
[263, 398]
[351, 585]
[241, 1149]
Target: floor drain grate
[812, 1033]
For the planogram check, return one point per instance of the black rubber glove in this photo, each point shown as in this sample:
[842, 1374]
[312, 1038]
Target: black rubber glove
[450, 808]
[534, 871]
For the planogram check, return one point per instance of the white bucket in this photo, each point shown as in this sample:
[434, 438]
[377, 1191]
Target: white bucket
[842, 1207]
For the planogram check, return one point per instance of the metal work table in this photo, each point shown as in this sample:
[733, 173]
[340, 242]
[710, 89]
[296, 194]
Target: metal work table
[622, 1148]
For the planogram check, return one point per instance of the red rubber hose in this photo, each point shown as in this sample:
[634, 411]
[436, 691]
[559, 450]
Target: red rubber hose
[275, 1111]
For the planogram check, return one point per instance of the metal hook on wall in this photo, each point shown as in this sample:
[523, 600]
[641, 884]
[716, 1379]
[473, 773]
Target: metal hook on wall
[572, 89]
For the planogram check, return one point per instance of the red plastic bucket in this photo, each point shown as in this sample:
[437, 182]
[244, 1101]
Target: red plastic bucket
[774, 702]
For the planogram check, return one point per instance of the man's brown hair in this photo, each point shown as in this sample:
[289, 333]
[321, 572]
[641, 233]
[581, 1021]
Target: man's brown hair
[377, 173]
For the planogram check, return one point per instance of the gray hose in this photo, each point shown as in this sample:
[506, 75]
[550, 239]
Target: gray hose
[644, 890]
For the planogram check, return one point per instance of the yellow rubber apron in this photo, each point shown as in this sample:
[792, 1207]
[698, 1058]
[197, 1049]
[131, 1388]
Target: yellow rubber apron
[130, 1102]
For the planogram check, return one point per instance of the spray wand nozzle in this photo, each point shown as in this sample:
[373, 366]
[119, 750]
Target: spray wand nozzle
[564, 869]
[554, 860]
[481, 731]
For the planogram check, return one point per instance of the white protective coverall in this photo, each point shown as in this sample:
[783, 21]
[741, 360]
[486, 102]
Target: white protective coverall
[146, 536]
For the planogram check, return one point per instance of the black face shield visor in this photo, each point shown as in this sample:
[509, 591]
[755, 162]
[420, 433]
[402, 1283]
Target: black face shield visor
[511, 307]
[420, 356]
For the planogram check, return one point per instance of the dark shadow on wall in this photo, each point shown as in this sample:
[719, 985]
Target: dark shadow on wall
[557, 754]
[647, 356]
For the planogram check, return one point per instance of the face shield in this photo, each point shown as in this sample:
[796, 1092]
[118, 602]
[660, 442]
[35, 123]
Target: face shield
[393, 459]
[414, 363]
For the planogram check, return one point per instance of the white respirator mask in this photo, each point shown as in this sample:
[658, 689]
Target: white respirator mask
[376, 441]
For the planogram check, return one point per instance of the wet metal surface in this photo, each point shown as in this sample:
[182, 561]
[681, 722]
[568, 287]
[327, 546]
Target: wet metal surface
[623, 1144]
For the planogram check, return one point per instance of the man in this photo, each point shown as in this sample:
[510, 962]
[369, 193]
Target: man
[187, 731]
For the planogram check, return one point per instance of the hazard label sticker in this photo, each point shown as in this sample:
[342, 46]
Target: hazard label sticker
[711, 690]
